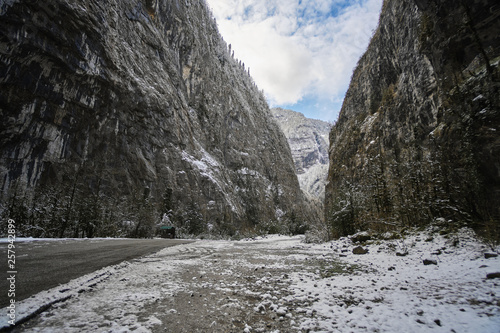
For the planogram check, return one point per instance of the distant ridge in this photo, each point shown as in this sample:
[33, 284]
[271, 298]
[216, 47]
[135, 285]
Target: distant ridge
[308, 140]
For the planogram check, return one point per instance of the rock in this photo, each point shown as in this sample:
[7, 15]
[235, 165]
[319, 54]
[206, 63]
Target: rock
[402, 254]
[407, 99]
[490, 255]
[430, 262]
[281, 311]
[389, 235]
[493, 275]
[392, 268]
[133, 112]
[261, 308]
[359, 250]
[361, 237]
[308, 140]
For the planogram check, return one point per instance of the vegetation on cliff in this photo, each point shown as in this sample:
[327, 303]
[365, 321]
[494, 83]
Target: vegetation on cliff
[120, 114]
[417, 138]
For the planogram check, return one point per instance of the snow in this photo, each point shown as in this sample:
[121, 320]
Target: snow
[209, 167]
[280, 284]
[478, 97]
[313, 180]
[247, 171]
[411, 296]
[368, 123]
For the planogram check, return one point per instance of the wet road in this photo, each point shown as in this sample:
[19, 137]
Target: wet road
[42, 265]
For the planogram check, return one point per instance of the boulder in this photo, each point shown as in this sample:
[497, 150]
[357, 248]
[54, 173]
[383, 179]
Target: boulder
[359, 250]
[495, 275]
[361, 237]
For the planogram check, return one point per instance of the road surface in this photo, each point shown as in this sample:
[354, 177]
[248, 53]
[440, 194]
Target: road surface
[42, 265]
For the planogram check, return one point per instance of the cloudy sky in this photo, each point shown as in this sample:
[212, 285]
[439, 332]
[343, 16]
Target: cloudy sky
[300, 52]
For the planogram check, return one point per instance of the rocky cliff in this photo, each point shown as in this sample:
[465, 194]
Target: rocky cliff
[118, 113]
[308, 140]
[418, 138]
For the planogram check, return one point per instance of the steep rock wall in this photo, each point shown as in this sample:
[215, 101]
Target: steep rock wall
[418, 134]
[116, 113]
[308, 140]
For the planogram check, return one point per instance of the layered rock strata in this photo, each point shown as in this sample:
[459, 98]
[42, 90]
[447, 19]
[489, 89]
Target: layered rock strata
[308, 140]
[118, 113]
[418, 135]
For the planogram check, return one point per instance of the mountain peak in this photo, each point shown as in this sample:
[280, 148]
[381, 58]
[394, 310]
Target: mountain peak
[308, 140]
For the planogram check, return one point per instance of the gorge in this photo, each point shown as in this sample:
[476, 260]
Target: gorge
[122, 115]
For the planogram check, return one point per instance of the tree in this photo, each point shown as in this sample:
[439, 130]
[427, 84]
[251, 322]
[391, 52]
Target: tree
[296, 225]
[194, 222]
[343, 218]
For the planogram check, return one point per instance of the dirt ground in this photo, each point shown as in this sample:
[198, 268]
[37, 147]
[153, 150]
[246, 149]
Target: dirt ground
[236, 288]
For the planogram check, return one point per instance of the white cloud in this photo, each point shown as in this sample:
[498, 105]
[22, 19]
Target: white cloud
[298, 49]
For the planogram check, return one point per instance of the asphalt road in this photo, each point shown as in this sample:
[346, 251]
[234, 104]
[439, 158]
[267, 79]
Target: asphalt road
[42, 265]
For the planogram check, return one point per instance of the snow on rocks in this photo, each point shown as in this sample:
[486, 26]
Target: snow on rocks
[401, 294]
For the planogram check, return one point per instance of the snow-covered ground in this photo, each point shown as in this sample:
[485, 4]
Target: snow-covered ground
[280, 284]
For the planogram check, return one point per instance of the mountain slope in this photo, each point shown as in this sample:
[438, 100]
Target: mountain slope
[117, 113]
[308, 140]
[417, 136]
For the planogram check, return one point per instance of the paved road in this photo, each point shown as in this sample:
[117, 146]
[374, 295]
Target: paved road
[42, 265]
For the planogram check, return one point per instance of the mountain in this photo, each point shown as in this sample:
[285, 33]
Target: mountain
[308, 140]
[117, 114]
[417, 138]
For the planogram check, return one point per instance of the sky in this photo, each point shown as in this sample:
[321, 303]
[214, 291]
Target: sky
[300, 52]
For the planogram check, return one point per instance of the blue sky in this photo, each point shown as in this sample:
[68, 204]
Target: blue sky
[300, 52]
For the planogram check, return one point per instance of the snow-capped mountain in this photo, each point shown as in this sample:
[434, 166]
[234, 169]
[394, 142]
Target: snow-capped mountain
[308, 140]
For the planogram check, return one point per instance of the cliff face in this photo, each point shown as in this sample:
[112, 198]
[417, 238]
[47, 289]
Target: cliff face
[132, 110]
[418, 134]
[308, 140]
